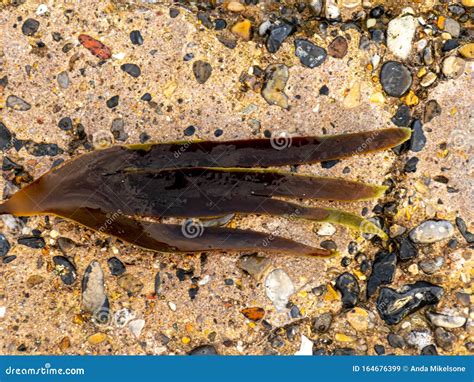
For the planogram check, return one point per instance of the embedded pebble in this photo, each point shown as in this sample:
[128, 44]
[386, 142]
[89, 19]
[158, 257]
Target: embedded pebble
[383, 271]
[30, 27]
[4, 245]
[202, 71]
[17, 103]
[94, 299]
[420, 338]
[400, 33]
[310, 54]
[32, 241]
[347, 284]
[130, 284]
[358, 318]
[276, 77]
[432, 110]
[66, 269]
[117, 268]
[326, 229]
[446, 321]
[118, 130]
[431, 266]
[322, 323]
[396, 340]
[136, 37]
[5, 137]
[452, 27]
[467, 51]
[279, 288]
[395, 78]
[353, 97]
[136, 327]
[277, 33]
[418, 139]
[407, 250]
[444, 338]
[204, 350]
[394, 306]
[306, 346]
[131, 69]
[431, 231]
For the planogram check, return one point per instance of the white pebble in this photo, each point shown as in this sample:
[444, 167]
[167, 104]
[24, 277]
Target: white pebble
[172, 306]
[3, 310]
[204, 280]
[42, 9]
[136, 327]
[400, 33]
[326, 229]
[279, 288]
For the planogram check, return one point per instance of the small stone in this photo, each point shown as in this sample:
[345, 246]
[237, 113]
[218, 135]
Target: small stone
[17, 103]
[66, 245]
[97, 338]
[396, 341]
[358, 318]
[468, 3]
[118, 130]
[113, 102]
[428, 79]
[383, 271]
[444, 339]
[467, 51]
[410, 165]
[278, 32]
[402, 116]
[306, 347]
[326, 229]
[202, 71]
[117, 268]
[136, 37]
[417, 140]
[254, 265]
[243, 30]
[204, 350]
[394, 306]
[453, 67]
[347, 284]
[65, 124]
[332, 11]
[136, 327]
[400, 33]
[66, 269]
[462, 227]
[432, 110]
[420, 338]
[63, 80]
[377, 12]
[353, 98]
[34, 280]
[432, 266]
[310, 54]
[64, 344]
[452, 27]
[450, 45]
[338, 47]
[189, 131]
[130, 283]
[220, 24]
[94, 299]
[5, 137]
[431, 231]
[42, 10]
[30, 27]
[395, 78]
[131, 69]
[32, 241]
[322, 323]
[4, 245]
[407, 250]
[276, 77]
[329, 245]
[174, 13]
[317, 6]
[235, 6]
[279, 288]
[94, 46]
[446, 321]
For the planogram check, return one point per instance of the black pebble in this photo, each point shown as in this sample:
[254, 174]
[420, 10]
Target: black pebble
[136, 37]
[395, 78]
[189, 131]
[407, 250]
[461, 224]
[329, 163]
[204, 350]
[4, 245]
[117, 268]
[113, 102]
[324, 90]
[418, 140]
[379, 349]
[377, 35]
[347, 284]
[394, 306]
[174, 13]
[429, 350]
[383, 271]
[410, 165]
[277, 34]
[396, 341]
[377, 12]
[5, 137]
[8, 259]
[310, 54]
[32, 241]
[144, 137]
[188, 57]
[146, 97]
[202, 71]
[450, 45]
[65, 123]
[329, 245]
[30, 27]
[218, 133]
[402, 117]
[68, 273]
[132, 69]
[220, 24]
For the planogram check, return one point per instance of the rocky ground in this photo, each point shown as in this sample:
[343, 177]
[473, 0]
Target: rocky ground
[80, 75]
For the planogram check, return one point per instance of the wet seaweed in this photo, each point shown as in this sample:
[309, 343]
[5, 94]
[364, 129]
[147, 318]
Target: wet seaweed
[124, 191]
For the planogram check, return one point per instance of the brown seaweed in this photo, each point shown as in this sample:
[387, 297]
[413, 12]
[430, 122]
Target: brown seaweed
[113, 190]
